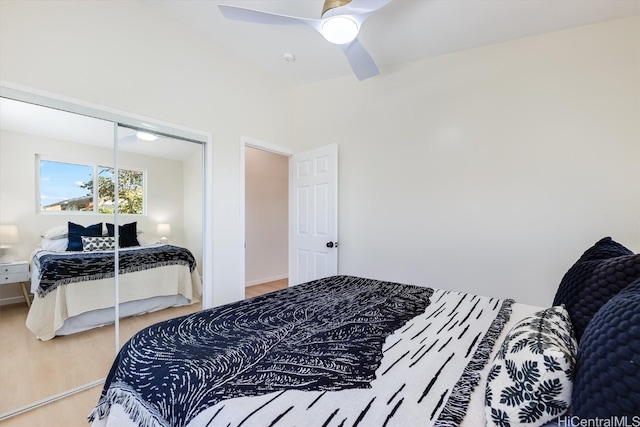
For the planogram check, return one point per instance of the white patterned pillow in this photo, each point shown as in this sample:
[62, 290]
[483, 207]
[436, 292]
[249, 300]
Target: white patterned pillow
[531, 378]
[97, 243]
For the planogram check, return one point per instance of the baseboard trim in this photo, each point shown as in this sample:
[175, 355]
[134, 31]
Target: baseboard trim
[265, 280]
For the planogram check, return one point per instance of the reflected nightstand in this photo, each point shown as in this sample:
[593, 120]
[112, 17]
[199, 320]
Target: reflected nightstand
[16, 272]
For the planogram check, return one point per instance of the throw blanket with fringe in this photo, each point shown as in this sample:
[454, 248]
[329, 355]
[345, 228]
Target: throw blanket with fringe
[56, 269]
[336, 351]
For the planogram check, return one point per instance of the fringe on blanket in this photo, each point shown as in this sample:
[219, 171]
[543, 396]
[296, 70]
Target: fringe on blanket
[141, 414]
[456, 406]
[99, 276]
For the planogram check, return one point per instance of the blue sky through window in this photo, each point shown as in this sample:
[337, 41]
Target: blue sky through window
[61, 181]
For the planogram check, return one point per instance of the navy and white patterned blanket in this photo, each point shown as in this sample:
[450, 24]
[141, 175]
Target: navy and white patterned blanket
[61, 268]
[337, 351]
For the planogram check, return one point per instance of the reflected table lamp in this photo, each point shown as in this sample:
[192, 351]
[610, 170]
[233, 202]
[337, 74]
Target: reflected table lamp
[164, 230]
[8, 235]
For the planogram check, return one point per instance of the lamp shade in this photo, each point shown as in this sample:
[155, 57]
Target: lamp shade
[8, 234]
[164, 229]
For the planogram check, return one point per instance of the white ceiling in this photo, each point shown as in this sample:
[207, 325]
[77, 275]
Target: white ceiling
[59, 125]
[403, 31]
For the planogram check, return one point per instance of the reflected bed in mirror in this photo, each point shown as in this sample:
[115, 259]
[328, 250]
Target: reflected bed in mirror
[74, 289]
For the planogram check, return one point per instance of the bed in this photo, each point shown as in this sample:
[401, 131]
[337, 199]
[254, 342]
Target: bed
[74, 289]
[348, 350]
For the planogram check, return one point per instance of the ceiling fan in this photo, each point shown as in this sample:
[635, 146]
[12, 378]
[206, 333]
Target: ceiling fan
[339, 23]
[131, 136]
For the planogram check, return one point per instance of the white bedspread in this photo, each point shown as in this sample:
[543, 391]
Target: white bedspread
[47, 315]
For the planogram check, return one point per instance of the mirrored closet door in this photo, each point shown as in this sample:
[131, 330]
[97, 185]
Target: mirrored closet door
[160, 224]
[124, 203]
[50, 166]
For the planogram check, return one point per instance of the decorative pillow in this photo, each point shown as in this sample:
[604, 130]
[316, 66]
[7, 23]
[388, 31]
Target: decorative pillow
[605, 248]
[530, 380]
[600, 273]
[127, 233]
[59, 232]
[76, 232]
[141, 240]
[607, 380]
[98, 243]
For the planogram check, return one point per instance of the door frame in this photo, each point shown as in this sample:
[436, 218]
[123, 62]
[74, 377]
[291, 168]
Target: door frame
[264, 146]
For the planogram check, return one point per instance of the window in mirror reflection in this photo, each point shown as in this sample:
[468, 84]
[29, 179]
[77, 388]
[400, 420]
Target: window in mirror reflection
[130, 191]
[89, 188]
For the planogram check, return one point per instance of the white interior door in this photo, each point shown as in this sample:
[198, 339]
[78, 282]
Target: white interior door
[313, 214]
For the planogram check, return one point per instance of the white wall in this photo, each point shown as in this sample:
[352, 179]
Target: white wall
[126, 55]
[266, 216]
[489, 170]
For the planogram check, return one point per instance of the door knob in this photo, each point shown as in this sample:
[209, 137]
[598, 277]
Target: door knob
[331, 244]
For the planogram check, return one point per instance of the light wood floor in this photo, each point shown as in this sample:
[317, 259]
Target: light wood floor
[85, 352]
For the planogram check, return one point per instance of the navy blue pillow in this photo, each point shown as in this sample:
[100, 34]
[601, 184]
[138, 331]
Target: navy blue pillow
[607, 380]
[128, 234]
[604, 248]
[600, 273]
[76, 231]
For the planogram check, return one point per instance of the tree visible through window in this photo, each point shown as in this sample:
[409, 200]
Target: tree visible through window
[72, 187]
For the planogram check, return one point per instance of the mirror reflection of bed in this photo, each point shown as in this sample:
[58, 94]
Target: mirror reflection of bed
[36, 368]
[73, 281]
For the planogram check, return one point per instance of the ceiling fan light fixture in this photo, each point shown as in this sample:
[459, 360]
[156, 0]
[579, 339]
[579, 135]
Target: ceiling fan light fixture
[339, 29]
[146, 136]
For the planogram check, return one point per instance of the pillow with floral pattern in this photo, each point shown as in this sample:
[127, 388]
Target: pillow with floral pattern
[531, 378]
[90, 244]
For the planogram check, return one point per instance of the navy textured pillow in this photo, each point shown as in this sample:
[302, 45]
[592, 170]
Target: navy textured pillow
[76, 231]
[128, 234]
[604, 248]
[607, 382]
[600, 273]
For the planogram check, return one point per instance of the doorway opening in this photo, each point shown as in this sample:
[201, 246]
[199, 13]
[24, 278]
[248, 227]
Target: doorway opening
[266, 218]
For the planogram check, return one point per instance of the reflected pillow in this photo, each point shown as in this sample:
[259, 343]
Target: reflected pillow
[59, 244]
[59, 232]
[90, 244]
[141, 240]
[76, 231]
[127, 232]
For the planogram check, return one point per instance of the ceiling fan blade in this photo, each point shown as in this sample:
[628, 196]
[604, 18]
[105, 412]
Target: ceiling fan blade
[261, 17]
[361, 62]
[128, 139]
